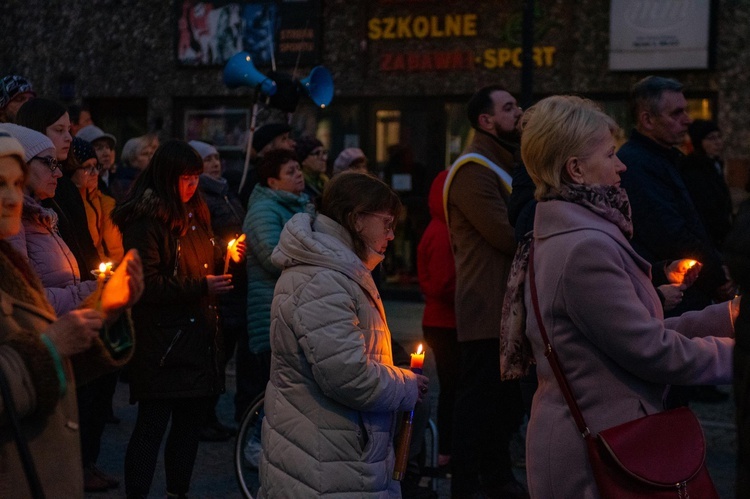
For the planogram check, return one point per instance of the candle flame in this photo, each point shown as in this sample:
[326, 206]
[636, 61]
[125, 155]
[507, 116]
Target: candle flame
[419, 349]
[231, 243]
[691, 263]
[102, 267]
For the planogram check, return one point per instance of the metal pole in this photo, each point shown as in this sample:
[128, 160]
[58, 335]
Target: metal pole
[527, 54]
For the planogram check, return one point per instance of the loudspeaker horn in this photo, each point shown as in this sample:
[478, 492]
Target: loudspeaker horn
[240, 72]
[318, 86]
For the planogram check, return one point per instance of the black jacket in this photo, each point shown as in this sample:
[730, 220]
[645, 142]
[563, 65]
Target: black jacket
[178, 353]
[666, 225]
[709, 193]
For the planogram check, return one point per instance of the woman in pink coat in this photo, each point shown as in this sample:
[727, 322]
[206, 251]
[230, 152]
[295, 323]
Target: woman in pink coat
[600, 310]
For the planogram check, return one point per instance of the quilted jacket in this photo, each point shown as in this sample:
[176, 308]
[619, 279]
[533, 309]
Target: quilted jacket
[334, 391]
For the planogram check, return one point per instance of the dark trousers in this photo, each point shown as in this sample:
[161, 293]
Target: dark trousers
[444, 346]
[94, 408]
[187, 415]
[487, 412]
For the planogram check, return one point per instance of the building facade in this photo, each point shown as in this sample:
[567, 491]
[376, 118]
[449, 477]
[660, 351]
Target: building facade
[402, 71]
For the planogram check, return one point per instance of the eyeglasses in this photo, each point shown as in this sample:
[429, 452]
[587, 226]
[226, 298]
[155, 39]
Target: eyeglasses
[323, 152]
[49, 162]
[93, 170]
[389, 223]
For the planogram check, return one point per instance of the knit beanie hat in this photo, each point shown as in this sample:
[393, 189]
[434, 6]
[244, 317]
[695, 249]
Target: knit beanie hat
[90, 133]
[698, 130]
[265, 134]
[204, 150]
[305, 145]
[346, 158]
[33, 142]
[10, 147]
[82, 149]
[13, 85]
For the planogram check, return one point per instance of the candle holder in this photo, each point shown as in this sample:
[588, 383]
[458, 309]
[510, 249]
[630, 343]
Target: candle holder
[403, 441]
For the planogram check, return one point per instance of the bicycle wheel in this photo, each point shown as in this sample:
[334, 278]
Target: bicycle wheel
[247, 449]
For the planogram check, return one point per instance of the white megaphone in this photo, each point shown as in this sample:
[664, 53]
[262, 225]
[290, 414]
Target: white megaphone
[240, 72]
[318, 86]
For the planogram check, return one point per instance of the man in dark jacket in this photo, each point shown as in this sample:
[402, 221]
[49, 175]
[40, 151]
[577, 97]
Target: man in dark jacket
[666, 224]
[477, 191]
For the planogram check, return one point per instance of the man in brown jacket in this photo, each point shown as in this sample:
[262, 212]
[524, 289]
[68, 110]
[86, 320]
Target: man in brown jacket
[476, 196]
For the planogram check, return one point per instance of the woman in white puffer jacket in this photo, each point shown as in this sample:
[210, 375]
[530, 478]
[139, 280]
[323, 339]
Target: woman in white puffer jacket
[334, 391]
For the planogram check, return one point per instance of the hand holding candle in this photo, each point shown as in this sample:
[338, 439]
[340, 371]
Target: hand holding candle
[235, 251]
[404, 436]
[102, 274]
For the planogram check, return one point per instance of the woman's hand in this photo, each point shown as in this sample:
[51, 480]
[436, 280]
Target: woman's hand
[125, 287]
[683, 271]
[423, 383]
[219, 284]
[672, 295]
[73, 332]
[241, 250]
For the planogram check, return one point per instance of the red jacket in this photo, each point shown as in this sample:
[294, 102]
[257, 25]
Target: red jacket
[435, 264]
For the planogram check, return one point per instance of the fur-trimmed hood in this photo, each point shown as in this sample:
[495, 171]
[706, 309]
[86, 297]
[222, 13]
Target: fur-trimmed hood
[38, 214]
[149, 205]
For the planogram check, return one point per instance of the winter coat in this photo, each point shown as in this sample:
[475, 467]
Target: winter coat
[72, 225]
[43, 387]
[704, 179]
[175, 320]
[666, 225]
[482, 239]
[122, 180]
[105, 234]
[606, 323]
[40, 244]
[331, 401]
[267, 212]
[227, 215]
[435, 264]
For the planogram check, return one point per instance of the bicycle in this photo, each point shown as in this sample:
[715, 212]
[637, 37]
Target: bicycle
[245, 469]
[247, 472]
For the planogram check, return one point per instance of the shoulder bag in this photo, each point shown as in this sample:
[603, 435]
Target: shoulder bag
[662, 455]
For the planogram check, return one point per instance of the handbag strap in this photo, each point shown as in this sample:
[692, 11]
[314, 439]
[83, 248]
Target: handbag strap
[23, 447]
[551, 355]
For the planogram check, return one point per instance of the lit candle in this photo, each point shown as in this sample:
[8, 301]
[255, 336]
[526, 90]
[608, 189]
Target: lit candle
[104, 271]
[417, 360]
[232, 252]
[229, 254]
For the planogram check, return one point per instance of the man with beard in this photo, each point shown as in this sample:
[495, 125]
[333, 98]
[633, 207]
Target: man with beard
[476, 196]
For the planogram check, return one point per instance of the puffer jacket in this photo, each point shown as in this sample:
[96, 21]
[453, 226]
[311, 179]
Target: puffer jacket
[40, 244]
[331, 401]
[267, 212]
[179, 351]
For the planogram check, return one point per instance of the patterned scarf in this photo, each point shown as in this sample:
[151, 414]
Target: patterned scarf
[610, 203]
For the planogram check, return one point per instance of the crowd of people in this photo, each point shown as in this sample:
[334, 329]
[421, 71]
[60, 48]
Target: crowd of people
[632, 255]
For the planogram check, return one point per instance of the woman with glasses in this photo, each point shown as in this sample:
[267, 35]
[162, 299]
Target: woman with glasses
[39, 241]
[313, 158]
[334, 392]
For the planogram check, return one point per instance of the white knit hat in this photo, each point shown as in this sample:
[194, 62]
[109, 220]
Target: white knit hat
[10, 147]
[90, 133]
[204, 150]
[33, 142]
[346, 158]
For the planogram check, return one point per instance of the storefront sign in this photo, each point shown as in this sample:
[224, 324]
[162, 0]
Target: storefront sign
[209, 33]
[659, 34]
[446, 36]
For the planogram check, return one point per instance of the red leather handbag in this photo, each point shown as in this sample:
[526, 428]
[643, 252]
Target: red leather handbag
[658, 456]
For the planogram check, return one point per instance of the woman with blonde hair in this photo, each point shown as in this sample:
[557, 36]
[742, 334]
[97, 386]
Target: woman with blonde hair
[136, 154]
[601, 312]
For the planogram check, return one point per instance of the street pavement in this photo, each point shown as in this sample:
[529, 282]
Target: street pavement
[213, 476]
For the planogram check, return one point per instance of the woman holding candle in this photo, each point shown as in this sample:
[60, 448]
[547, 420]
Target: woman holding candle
[175, 372]
[36, 348]
[596, 301]
[334, 391]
